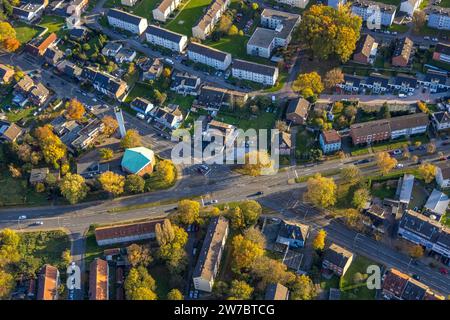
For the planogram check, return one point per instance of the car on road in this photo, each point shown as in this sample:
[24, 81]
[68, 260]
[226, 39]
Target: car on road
[402, 95]
[443, 271]
[416, 276]
[22, 217]
[397, 152]
[38, 223]
[93, 99]
[400, 165]
[362, 161]
[259, 193]
[435, 39]
[169, 61]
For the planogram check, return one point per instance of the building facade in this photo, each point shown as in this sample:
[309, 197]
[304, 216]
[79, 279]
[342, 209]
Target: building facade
[208, 56]
[255, 72]
[165, 38]
[127, 21]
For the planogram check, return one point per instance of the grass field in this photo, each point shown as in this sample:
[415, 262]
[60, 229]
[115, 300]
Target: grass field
[393, 2]
[188, 16]
[144, 8]
[14, 192]
[445, 4]
[25, 32]
[53, 24]
[264, 120]
[351, 289]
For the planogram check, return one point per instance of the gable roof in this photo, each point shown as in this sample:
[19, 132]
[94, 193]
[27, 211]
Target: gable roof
[295, 231]
[445, 169]
[437, 202]
[125, 16]
[208, 51]
[442, 48]
[337, 255]
[254, 67]
[126, 230]
[364, 45]
[164, 33]
[136, 159]
[299, 106]
[98, 280]
[48, 283]
[331, 136]
[276, 291]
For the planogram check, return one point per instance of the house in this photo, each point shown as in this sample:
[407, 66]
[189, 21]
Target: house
[419, 229]
[436, 81]
[38, 46]
[91, 168]
[437, 204]
[76, 7]
[9, 132]
[48, 283]
[208, 56]
[138, 161]
[442, 53]
[330, 141]
[29, 10]
[276, 31]
[285, 143]
[220, 134]
[99, 280]
[125, 55]
[337, 259]
[377, 215]
[129, 3]
[153, 70]
[414, 290]
[297, 111]
[105, 83]
[212, 98]
[70, 69]
[210, 254]
[169, 117]
[439, 17]
[255, 72]
[126, 232]
[441, 120]
[443, 174]
[366, 50]
[292, 235]
[402, 52]
[78, 34]
[38, 175]
[351, 83]
[276, 291]
[406, 188]
[377, 83]
[383, 15]
[404, 83]
[370, 132]
[168, 39]
[408, 125]
[53, 55]
[87, 134]
[295, 3]
[141, 105]
[410, 6]
[6, 74]
[111, 49]
[207, 22]
[126, 21]
[393, 284]
[36, 93]
[164, 9]
[185, 84]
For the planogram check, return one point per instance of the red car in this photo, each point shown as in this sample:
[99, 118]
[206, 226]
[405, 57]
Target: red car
[443, 271]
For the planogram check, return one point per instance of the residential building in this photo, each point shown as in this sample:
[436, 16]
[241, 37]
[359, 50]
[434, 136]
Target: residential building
[336, 3]
[141, 105]
[185, 84]
[139, 160]
[370, 132]
[48, 283]
[53, 55]
[377, 83]
[111, 49]
[168, 39]
[210, 254]
[285, 143]
[164, 9]
[437, 204]
[276, 291]
[38, 46]
[366, 50]
[87, 134]
[125, 55]
[330, 141]
[29, 10]
[406, 187]
[36, 93]
[76, 7]
[295, 3]
[297, 111]
[377, 215]
[206, 24]
[220, 134]
[169, 117]
[105, 83]
[292, 235]
[128, 3]
[91, 168]
[209, 56]
[442, 53]
[213, 98]
[436, 81]
[410, 6]
[78, 34]
[351, 83]
[412, 124]
[255, 72]
[441, 120]
[124, 233]
[127, 21]
[377, 13]
[6, 74]
[404, 83]
[337, 259]
[402, 52]
[414, 290]
[443, 174]
[439, 18]
[70, 69]
[99, 280]
[393, 284]
[9, 132]
[152, 70]
[419, 229]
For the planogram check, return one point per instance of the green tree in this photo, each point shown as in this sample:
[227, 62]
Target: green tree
[310, 81]
[244, 252]
[175, 294]
[360, 197]
[269, 270]
[134, 184]
[351, 174]
[139, 285]
[321, 191]
[240, 290]
[139, 255]
[188, 211]
[73, 187]
[132, 139]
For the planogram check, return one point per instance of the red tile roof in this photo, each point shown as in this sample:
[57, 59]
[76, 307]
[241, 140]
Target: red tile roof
[48, 283]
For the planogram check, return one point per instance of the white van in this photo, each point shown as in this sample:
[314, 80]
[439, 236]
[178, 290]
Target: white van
[140, 116]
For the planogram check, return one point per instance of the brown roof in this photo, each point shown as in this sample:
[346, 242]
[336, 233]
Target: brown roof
[298, 106]
[48, 283]
[47, 42]
[337, 255]
[276, 291]
[126, 230]
[286, 139]
[395, 281]
[98, 280]
[331, 136]
[445, 169]
[403, 48]
[25, 84]
[12, 132]
[370, 128]
[364, 45]
[409, 121]
[5, 72]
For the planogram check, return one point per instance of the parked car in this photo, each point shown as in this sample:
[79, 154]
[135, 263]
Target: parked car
[400, 165]
[443, 271]
[38, 223]
[22, 217]
[397, 152]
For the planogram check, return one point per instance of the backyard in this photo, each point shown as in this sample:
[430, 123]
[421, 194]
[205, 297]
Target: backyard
[15, 192]
[25, 32]
[53, 24]
[244, 121]
[188, 16]
[353, 285]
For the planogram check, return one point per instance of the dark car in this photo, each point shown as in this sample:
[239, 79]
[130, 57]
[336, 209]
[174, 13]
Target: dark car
[416, 276]
[259, 193]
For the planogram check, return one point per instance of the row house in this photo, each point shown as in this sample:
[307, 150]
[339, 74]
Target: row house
[164, 9]
[378, 83]
[169, 117]
[442, 53]
[127, 21]
[206, 24]
[436, 81]
[29, 10]
[439, 18]
[255, 72]
[366, 50]
[377, 13]
[185, 84]
[105, 83]
[297, 111]
[351, 83]
[441, 120]
[165, 38]
[402, 52]
[404, 83]
[213, 98]
[294, 3]
[38, 46]
[208, 56]
[409, 125]
[35, 92]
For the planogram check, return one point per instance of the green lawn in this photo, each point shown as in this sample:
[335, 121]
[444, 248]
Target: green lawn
[382, 190]
[113, 4]
[25, 32]
[53, 24]
[264, 120]
[393, 2]
[144, 8]
[352, 289]
[445, 4]
[446, 219]
[400, 28]
[15, 192]
[19, 114]
[188, 16]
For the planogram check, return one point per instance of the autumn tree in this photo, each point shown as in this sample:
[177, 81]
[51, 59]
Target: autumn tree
[165, 172]
[134, 184]
[140, 285]
[333, 78]
[351, 174]
[73, 188]
[132, 139]
[175, 294]
[281, 126]
[75, 109]
[255, 163]
[52, 147]
[225, 23]
[240, 290]
[66, 257]
[329, 32]
[244, 252]
[7, 284]
[251, 210]
[106, 153]
[353, 219]
[188, 211]
[172, 241]
[415, 251]
[6, 31]
[269, 270]
[385, 162]
[11, 44]
[233, 30]
[321, 191]
[112, 182]
[360, 197]
[319, 240]
[428, 172]
[139, 255]
[431, 148]
[311, 81]
[418, 20]
[110, 125]
[302, 288]
[423, 107]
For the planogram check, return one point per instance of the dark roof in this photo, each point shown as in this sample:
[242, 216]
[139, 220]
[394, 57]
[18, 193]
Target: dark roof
[184, 79]
[403, 47]
[418, 223]
[394, 282]
[435, 77]
[276, 291]
[164, 33]
[140, 103]
[414, 290]
[354, 80]
[383, 7]
[207, 51]
[293, 231]
[445, 169]
[409, 121]
[406, 80]
[125, 16]
[254, 67]
[378, 78]
[53, 54]
[337, 255]
[442, 48]
[365, 44]
[442, 116]
[77, 32]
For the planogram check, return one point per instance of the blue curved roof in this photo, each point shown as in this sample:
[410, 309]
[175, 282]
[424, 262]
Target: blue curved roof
[135, 159]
